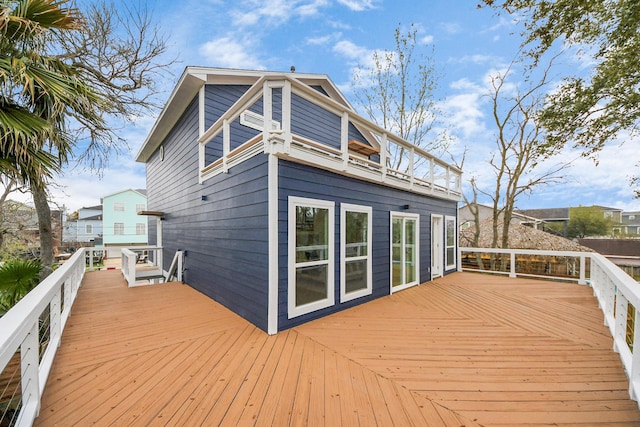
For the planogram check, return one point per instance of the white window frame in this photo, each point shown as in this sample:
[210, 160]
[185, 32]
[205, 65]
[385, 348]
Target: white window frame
[449, 264]
[256, 121]
[404, 216]
[141, 228]
[118, 207]
[140, 207]
[116, 227]
[344, 208]
[295, 310]
[88, 229]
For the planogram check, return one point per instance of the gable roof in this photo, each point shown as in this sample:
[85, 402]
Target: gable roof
[139, 191]
[193, 78]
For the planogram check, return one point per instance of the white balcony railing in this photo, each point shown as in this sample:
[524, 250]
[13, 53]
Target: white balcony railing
[400, 163]
[618, 294]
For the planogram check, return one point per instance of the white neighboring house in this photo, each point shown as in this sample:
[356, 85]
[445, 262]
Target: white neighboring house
[87, 227]
[121, 224]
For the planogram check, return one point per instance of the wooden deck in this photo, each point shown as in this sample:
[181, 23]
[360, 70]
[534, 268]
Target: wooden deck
[467, 349]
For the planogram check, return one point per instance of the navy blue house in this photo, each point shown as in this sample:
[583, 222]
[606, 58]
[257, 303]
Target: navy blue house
[288, 204]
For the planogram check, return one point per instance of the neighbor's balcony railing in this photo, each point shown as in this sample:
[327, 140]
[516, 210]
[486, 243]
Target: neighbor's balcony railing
[618, 294]
[397, 163]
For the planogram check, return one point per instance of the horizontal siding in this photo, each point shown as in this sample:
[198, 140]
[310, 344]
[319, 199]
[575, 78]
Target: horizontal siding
[218, 99]
[225, 236]
[313, 122]
[305, 181]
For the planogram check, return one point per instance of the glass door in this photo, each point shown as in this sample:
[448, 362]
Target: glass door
[404, 250]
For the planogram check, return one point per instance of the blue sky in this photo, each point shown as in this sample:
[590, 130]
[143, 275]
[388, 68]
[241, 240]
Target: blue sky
[333, 37]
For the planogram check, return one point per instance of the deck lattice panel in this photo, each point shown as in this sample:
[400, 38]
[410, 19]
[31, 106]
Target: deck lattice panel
[467, 349]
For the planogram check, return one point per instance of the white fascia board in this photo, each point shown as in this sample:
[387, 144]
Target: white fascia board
[187, 87]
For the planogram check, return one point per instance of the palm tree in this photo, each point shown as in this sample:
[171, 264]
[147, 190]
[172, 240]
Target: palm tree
[17, 278]
[37, 90]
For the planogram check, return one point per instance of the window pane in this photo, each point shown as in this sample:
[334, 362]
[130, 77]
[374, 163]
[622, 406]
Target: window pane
[356, 275]
[356, 229]
[311, 284]
[396, 252]
[312, 234]
[450, 233]
[410, 252]
[450, 255]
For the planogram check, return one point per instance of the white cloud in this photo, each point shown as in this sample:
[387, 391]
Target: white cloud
[323, 40]
[428, 39]
[352, 51]
[230, 53]
[274, 12]
[451, 27]
[360, 5]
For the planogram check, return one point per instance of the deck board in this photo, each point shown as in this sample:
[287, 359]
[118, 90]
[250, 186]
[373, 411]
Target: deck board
[467, 349]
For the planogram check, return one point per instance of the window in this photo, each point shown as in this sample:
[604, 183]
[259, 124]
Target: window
[140, 207]
[311, 248]
[404, 250]
[118, 207]
[118, 228]
[256, 121]
[632, 217]
[355, 251]
[141, 228]
[450, 242]
[88, 228]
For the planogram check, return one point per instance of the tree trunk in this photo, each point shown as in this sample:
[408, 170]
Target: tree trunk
[44, 225]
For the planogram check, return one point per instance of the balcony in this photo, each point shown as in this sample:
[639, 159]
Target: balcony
[467, 349]
[387, 159]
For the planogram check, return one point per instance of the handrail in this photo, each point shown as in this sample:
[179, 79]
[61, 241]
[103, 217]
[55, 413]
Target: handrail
[20, 332]
[614, 289]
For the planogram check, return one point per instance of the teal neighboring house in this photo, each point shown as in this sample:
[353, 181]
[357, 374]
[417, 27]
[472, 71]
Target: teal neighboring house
[122, 226]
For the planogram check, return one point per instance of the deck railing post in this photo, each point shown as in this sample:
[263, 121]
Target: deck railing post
[55, 314]
[512, 266]
[583, 271]
[29, 361]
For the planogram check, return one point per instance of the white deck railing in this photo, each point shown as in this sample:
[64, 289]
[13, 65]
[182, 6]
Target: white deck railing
[614, 289]
[30, 332]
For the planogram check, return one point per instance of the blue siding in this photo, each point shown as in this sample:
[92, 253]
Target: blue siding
[218, 99]
[226, 235]
[305, 181]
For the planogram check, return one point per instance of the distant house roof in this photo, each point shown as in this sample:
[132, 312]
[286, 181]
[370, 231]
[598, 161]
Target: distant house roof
[193, 78]
[92, 218]
[92, 208]
[521, 237]
[548, 214]
[487, 211]
[142, 192]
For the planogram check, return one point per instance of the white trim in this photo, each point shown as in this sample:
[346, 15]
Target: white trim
[404, 216]
[344, 208]
[437, 255]
[295, 310]
[272, 310]
[447, 264]
[201, 111]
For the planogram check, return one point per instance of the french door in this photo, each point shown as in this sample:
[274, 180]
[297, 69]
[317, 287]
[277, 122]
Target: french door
[405, 254]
